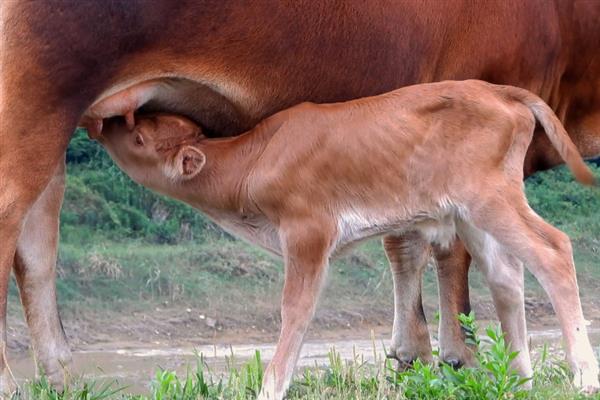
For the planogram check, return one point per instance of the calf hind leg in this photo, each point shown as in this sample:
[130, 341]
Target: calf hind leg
[453, 286]
[504, 276]
[548, 255]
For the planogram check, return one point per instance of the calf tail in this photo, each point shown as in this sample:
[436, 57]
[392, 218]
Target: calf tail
[556, 133]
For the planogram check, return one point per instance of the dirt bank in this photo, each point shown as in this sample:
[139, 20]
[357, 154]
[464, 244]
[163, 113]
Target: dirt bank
[176, 326]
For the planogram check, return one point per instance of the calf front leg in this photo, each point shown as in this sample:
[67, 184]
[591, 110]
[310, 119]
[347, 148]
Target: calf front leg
[408, 254]
[306, 252]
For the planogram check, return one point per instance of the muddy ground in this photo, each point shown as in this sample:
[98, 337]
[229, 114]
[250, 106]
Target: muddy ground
[128, 350]
[174, 326]
[129, 347]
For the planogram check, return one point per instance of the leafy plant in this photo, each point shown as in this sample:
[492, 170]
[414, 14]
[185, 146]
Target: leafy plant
[492, 379]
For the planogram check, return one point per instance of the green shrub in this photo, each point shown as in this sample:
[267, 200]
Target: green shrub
[101, 197]
[492, 379]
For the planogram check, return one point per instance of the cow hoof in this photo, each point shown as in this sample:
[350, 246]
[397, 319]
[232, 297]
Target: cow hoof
[8, 386]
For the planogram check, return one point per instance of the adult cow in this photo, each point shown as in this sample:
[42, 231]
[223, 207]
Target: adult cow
[227, 64]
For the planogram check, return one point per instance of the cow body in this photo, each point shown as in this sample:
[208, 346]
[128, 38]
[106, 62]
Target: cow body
[320, 178]
[226, 65]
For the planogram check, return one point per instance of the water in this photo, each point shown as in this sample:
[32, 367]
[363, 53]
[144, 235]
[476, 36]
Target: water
[135, 367]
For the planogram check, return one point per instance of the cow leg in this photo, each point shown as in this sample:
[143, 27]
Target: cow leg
[547, 253]
[35, 129]
[18, 192]
[453, 286]
[34, 268]
[11, 217]
[407, 255]
[504, 275]
[306, 253]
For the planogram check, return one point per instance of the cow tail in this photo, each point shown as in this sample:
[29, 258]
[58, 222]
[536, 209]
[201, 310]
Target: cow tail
[557, 134]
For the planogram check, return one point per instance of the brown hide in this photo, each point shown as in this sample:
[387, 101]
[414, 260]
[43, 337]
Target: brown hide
[281, 54]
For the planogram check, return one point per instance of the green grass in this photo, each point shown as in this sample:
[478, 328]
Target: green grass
[351, 379]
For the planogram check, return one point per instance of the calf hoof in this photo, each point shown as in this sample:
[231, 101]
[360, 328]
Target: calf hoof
[56, 371]
[528, 385]
[455, 363]
[587, 381]
[590, 390]
[405, 361]
[58, 380]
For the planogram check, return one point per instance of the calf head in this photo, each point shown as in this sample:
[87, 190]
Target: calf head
[159, 151]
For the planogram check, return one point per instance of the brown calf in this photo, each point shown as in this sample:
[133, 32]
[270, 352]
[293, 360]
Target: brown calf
[433, 160]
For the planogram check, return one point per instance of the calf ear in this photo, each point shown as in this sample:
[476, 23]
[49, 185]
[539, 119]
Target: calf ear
[189, 161]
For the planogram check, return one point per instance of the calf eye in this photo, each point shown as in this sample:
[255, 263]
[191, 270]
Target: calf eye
[139, 141]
